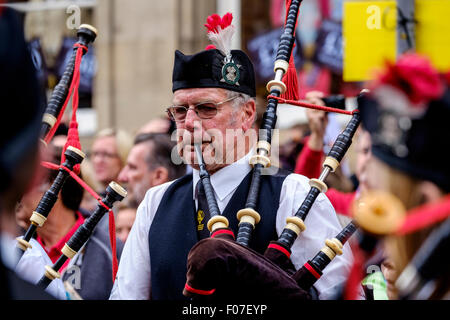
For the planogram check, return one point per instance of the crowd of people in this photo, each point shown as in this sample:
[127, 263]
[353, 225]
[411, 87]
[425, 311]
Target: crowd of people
[163, 216]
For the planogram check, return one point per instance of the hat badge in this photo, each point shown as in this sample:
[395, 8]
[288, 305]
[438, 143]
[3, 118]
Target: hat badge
[230, 72]
[392, 132]
[220, 32]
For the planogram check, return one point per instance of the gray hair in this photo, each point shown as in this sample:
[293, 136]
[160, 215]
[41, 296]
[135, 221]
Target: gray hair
[241, 99]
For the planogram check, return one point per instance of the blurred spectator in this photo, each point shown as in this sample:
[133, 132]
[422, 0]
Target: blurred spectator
[149, 164]
[293, 145]
[94, 260]
[407, 114]
[89, 203]
[124, 221]
[309, 161]
[157, 125]
[293, 125]
[109, 154]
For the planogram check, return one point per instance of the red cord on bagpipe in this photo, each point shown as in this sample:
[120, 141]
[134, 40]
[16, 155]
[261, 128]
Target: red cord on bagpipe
[312, 106]
[76, 74]
[355, 276]
[54, 166]
[112, 226]
[74, 141]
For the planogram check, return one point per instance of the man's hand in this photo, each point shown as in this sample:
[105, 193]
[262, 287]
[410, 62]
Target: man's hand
[317, 119]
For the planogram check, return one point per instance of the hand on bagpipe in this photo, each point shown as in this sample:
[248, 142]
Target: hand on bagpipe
[71, 158]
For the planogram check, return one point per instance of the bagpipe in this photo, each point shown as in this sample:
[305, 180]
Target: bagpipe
[52, 116]
[71, 158]
[74, 156]
[221, 267]
[86, 35]
[216, 221]
[114, 192]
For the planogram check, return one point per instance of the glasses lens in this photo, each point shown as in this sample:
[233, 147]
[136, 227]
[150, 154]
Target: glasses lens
[178, 113]
[206, 110]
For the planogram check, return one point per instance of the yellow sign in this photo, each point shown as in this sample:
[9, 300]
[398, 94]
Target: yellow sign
[433, 31]
[369, 30]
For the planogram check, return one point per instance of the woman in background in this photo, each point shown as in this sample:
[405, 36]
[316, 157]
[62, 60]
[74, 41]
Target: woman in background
[407, 116]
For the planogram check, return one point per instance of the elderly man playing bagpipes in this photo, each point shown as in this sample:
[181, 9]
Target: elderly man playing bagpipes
[214, 91]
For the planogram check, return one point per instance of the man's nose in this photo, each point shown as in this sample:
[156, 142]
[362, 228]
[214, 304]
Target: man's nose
[123, 176]
[192, 121]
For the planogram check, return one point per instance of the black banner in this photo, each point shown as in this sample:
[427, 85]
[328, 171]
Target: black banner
[88, 66]
[329, 50]
[263, 50]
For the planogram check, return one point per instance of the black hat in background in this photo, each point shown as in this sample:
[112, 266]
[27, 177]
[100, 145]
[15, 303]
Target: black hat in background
[19, 97]
[407, 113]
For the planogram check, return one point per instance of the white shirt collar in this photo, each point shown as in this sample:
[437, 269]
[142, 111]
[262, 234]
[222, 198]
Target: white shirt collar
[224, 181]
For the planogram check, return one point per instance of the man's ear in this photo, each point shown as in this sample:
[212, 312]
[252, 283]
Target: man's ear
[159, 176]
[249, 114]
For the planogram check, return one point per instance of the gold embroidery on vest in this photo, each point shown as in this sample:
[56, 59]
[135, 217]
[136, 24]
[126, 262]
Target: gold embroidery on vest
[200, 217]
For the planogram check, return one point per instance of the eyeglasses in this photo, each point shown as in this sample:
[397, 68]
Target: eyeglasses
[204, 110]
[103, 154]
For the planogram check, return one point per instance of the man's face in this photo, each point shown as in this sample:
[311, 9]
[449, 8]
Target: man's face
[136, 173]
[217, 144]
[105, 159]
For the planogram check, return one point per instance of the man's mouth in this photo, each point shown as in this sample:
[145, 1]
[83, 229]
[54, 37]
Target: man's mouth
[204, 143]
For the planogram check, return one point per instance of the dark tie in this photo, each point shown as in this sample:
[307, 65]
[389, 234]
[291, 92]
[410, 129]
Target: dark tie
[202, 215]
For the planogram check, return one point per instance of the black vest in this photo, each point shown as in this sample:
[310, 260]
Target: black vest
[173, 233]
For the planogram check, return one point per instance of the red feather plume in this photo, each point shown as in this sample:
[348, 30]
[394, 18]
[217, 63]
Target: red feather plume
[214, 21]
[415, 76]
